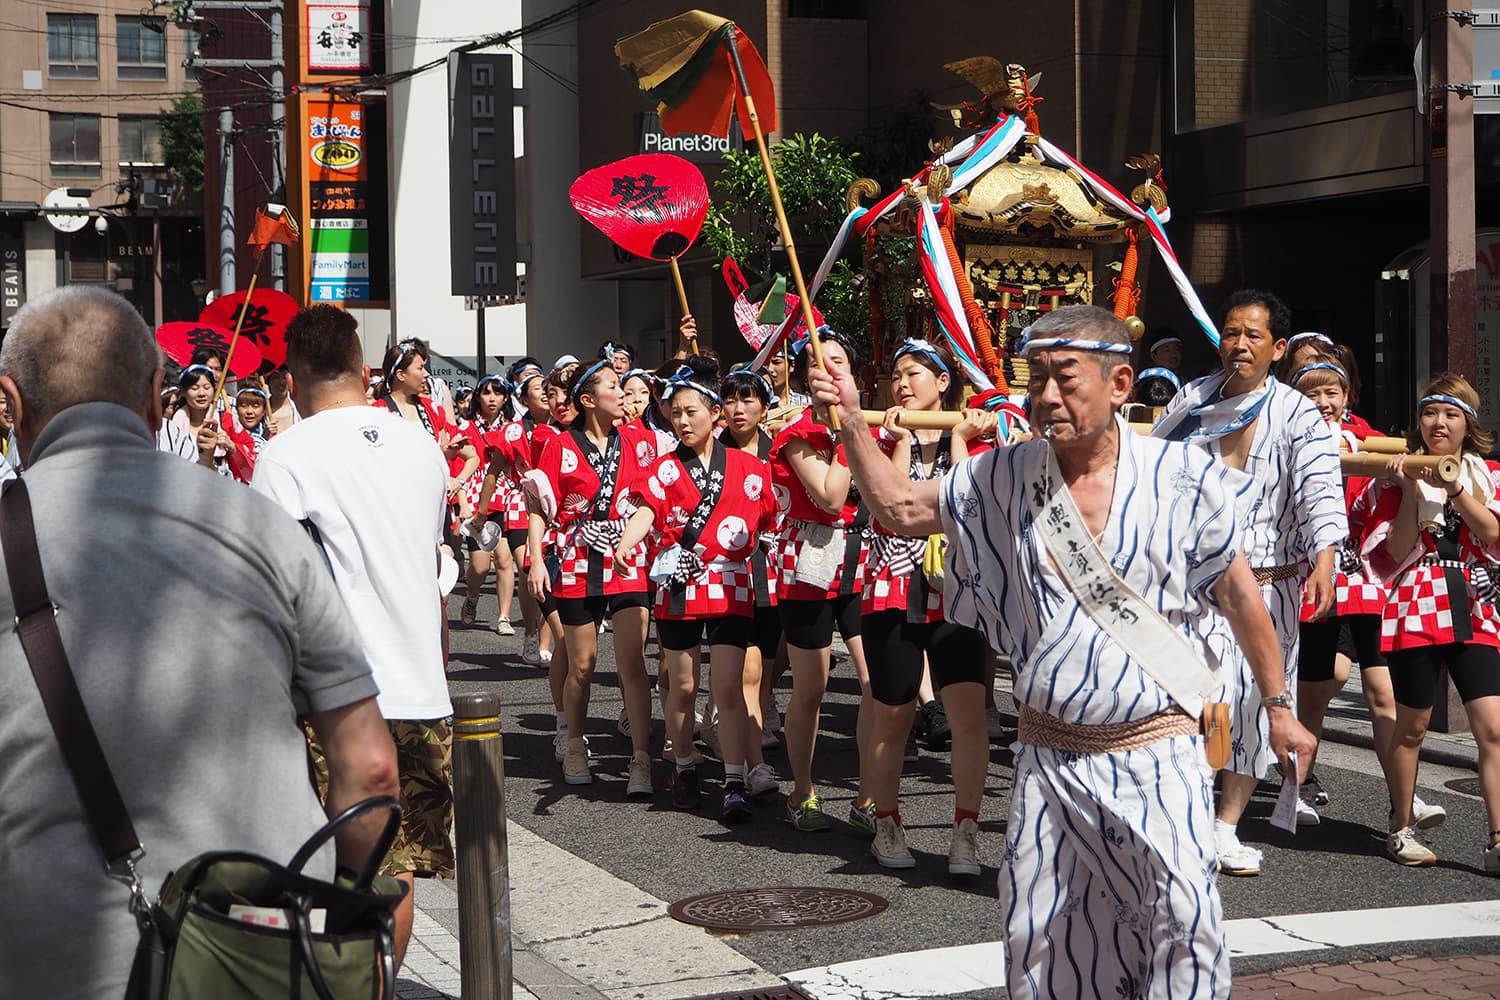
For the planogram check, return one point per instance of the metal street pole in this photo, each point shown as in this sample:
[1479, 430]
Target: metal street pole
[227, 276]
[479, 336]
[1451, 186]
[278, 141]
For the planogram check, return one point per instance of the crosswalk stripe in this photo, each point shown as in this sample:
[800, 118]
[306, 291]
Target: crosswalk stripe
[948, 971]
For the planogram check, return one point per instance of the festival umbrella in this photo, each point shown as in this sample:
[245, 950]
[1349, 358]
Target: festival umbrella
[652, 205]
[179, 341]
[266, 317]
[691, 64]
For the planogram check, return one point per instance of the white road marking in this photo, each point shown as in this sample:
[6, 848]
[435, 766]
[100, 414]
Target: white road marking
[948, 971]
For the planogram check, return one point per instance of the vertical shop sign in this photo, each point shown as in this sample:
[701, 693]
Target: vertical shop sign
[12, 278]
[338, 36]
[481, 175]
[348, 259]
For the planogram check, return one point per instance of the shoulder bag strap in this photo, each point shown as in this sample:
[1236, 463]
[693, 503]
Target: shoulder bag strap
[1149, 639]
[36, 623]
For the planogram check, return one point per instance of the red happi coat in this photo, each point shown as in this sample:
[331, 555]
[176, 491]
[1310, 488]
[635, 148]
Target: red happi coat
[801, 511]
[1355, 592]
[730, 537]
[586, 551]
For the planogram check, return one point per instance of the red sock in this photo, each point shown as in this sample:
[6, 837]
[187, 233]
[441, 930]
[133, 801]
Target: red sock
[959, 815]
[894, 813]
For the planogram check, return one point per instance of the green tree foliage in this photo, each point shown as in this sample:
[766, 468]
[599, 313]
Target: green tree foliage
[182, 141]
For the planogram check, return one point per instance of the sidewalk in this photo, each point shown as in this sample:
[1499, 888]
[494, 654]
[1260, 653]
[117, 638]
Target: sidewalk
[1459, 977]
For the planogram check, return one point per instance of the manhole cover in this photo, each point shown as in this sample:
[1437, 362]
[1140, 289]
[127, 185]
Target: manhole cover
[776, 908]
[1468, 786]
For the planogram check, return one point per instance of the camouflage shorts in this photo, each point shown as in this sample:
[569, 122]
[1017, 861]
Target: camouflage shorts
[424, 763]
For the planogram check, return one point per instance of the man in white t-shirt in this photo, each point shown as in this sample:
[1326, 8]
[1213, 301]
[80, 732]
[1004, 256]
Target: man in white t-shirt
[371, 488]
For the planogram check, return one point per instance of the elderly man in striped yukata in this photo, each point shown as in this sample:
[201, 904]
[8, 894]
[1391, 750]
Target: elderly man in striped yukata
[1095, 559]
[1293, 510]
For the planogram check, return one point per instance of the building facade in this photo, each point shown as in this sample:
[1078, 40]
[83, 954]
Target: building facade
[82, 112]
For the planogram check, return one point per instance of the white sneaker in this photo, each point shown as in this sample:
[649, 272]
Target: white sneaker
[1426, 817]
[639, 785]
[531, 648]
[1404, 848]
[544, 656]
[963, 850]
[1306, 814]
[623, 726]
[575, 764]
[560, 741]
[503, 626]
[761, 780]
[889, 845]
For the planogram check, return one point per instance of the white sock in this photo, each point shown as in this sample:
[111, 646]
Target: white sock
[1224, 833]
[734, 772]
[562, 723]
[684, 763]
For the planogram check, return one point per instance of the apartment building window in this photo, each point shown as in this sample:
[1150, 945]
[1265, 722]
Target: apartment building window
[74, 145]
[73, 46]
[141, 52]
[140, 141]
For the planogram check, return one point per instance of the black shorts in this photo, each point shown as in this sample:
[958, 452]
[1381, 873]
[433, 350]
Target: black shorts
[494, 517]
[1356, 636]
[809, 624]
[766, 631]
[679, 634]
[894, 648]
[1475, 670]
[515, 538]
[583, 610]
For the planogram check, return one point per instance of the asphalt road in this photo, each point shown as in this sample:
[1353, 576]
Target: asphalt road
[1336, 866]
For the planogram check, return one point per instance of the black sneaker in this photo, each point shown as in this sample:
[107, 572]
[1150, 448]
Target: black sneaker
[736, 805]
[938, 730]
[685, 791]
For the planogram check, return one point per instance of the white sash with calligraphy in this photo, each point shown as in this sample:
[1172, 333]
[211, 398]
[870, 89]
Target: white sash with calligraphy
[1162, 652]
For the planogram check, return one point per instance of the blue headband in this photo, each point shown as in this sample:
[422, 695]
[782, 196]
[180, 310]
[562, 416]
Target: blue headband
[504, 385]
[1069, 344]
[1322, 338]
[1162, 373]
[1320, 366]
[1450, 400]
[683, 379]
[921, 348]
[637, 373]
[254, 392]
[407, 348]
[597, 366]
[200, 369]
[751, 373]
[529, 375]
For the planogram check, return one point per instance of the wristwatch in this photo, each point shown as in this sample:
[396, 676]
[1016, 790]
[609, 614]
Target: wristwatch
[1282, 700]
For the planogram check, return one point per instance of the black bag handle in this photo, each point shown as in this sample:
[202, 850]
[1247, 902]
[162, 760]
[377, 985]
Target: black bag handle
[36, 623]
[382, 846]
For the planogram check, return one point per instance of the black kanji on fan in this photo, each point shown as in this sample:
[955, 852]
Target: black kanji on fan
[257, 324]
[206, 336]
[642, 195]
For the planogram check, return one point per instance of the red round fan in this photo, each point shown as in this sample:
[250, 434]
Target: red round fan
[265, 321]
[652, 205]
[179, 341]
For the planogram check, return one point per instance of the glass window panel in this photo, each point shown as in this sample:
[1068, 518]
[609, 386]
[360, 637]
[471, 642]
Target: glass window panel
[140, 140]
[73, 46]
[140, 52]
[73, 145]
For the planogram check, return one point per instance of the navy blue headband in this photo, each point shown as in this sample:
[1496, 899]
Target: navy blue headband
[921, 348]
[597, 366]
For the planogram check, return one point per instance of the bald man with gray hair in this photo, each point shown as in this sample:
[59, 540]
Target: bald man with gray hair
[164, 576]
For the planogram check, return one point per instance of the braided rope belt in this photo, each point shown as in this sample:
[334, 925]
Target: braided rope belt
[1271, 574]
[1041, 730]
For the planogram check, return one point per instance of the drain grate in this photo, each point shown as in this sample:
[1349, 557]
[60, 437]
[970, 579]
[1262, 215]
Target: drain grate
[776, 993]
[1467, 786]
[774, 908]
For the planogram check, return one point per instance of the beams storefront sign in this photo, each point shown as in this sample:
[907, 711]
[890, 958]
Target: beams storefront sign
[481, 175]
[696, 148]
[12, 278]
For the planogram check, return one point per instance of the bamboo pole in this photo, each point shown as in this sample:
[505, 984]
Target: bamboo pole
[238, 324]
[781, 221]
[1378, 445]
[682, 298]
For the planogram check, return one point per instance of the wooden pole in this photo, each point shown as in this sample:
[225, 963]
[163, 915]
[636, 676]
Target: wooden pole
[781, 221]
[484, 945]
[238, 324]
[682, 298]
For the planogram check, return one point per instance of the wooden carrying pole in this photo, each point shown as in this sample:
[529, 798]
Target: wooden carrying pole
[484, 947]
[786, 229]
[238, 324]
[682, 298]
